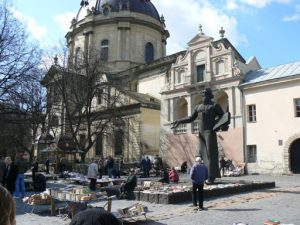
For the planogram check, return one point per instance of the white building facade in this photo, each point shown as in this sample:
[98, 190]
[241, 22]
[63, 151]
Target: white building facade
[272, 119]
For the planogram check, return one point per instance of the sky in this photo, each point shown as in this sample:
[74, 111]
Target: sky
[266, 29]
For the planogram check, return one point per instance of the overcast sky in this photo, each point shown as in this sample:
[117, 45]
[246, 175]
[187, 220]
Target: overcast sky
[266, 29]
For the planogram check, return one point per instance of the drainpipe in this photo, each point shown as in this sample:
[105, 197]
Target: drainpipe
[244, 121]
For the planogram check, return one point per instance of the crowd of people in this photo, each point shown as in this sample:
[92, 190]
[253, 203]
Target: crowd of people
[12, 182]
[12, 174]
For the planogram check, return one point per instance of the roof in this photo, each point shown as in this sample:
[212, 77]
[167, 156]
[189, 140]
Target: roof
[140, 6]
[272, 73]
[144, 99]
[228, 44]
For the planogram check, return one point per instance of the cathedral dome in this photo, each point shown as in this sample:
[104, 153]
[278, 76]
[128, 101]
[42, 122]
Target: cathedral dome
[103, 6]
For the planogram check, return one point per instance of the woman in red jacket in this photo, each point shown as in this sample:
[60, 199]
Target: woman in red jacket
[173, 175]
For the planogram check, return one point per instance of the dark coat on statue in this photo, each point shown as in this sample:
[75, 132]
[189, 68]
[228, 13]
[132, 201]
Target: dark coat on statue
[207, 114]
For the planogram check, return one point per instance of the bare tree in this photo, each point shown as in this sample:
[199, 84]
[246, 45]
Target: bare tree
[17, 56]
[90, 103]
[21, 95]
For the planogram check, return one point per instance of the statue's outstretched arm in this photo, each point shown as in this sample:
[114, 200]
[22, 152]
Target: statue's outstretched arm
[185, 120]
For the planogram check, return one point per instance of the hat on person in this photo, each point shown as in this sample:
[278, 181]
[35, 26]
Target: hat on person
[198, 159]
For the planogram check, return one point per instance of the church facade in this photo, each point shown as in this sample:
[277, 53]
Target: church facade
[129, 37]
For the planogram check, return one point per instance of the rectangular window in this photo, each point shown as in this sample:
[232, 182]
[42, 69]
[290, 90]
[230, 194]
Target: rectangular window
[251, 113]
[99, 144]
[82, 141]
[200, 73]
[100, 96]
[169, 109]
[220, 67]
[297, 107]
[179, 77]
[251, 153]
[119, 140]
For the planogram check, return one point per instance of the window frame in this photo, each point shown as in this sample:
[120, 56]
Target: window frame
[218, 63]
[100, 93]
[99, 144]
[251, 153]
[251, 113]
[297, 107]
[77, 57]
[104, 50]
[149, 52]
[179, 76]
[203, 74]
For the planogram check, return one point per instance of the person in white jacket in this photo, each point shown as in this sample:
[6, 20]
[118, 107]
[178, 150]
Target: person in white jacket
[92, 174]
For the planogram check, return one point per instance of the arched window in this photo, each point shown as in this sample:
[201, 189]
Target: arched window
[149, 52]
[104, 50]
[77, 57]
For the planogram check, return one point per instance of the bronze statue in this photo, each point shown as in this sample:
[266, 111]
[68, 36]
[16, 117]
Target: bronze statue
[211, 119]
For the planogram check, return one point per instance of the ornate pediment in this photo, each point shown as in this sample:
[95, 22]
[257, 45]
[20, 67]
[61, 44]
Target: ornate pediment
[199, 39]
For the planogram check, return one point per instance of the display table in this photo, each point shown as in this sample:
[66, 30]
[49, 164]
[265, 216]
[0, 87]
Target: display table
[75, 198]
[80, 179]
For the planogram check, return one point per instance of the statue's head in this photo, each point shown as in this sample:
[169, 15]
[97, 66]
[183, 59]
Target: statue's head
[207, 93]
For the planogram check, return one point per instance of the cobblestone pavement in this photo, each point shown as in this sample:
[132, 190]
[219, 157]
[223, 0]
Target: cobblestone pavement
[253, 208]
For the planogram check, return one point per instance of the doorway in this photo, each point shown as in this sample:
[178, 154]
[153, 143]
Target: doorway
[295, 156]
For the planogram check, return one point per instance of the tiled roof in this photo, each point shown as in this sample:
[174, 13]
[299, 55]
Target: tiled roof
[272, 73]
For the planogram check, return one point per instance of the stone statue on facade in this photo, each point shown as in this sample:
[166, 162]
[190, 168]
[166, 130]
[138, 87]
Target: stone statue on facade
[211, 118]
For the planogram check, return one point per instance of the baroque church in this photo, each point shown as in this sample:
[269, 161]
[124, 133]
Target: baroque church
[130, 38]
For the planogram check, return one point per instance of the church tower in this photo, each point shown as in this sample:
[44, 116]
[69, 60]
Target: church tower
[125, 33]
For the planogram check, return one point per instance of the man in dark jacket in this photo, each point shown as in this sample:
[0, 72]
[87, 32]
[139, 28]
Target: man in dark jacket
[22, 167]
[10, 175]
[199, 173]
[2, 168]
[110, 166]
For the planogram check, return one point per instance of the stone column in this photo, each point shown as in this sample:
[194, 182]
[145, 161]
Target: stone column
[119, 44]
[189, 112]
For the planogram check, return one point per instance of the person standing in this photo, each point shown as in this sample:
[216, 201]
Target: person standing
[198, 174]
[100, 167]
[92, 174]
[110, 166]
[2, 169]
[157, 165]
[149, 166]
[22, 167]
[222, 166]
[144, 167]
[10, 175]
[62, 164]
[47, 164]
[34, 168]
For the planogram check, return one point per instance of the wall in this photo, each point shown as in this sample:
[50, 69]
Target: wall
[275, 122]
[152, 85]
[150, 131]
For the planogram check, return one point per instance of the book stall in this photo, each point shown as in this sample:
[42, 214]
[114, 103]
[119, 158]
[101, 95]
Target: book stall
[75, 197]
[157, 192]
